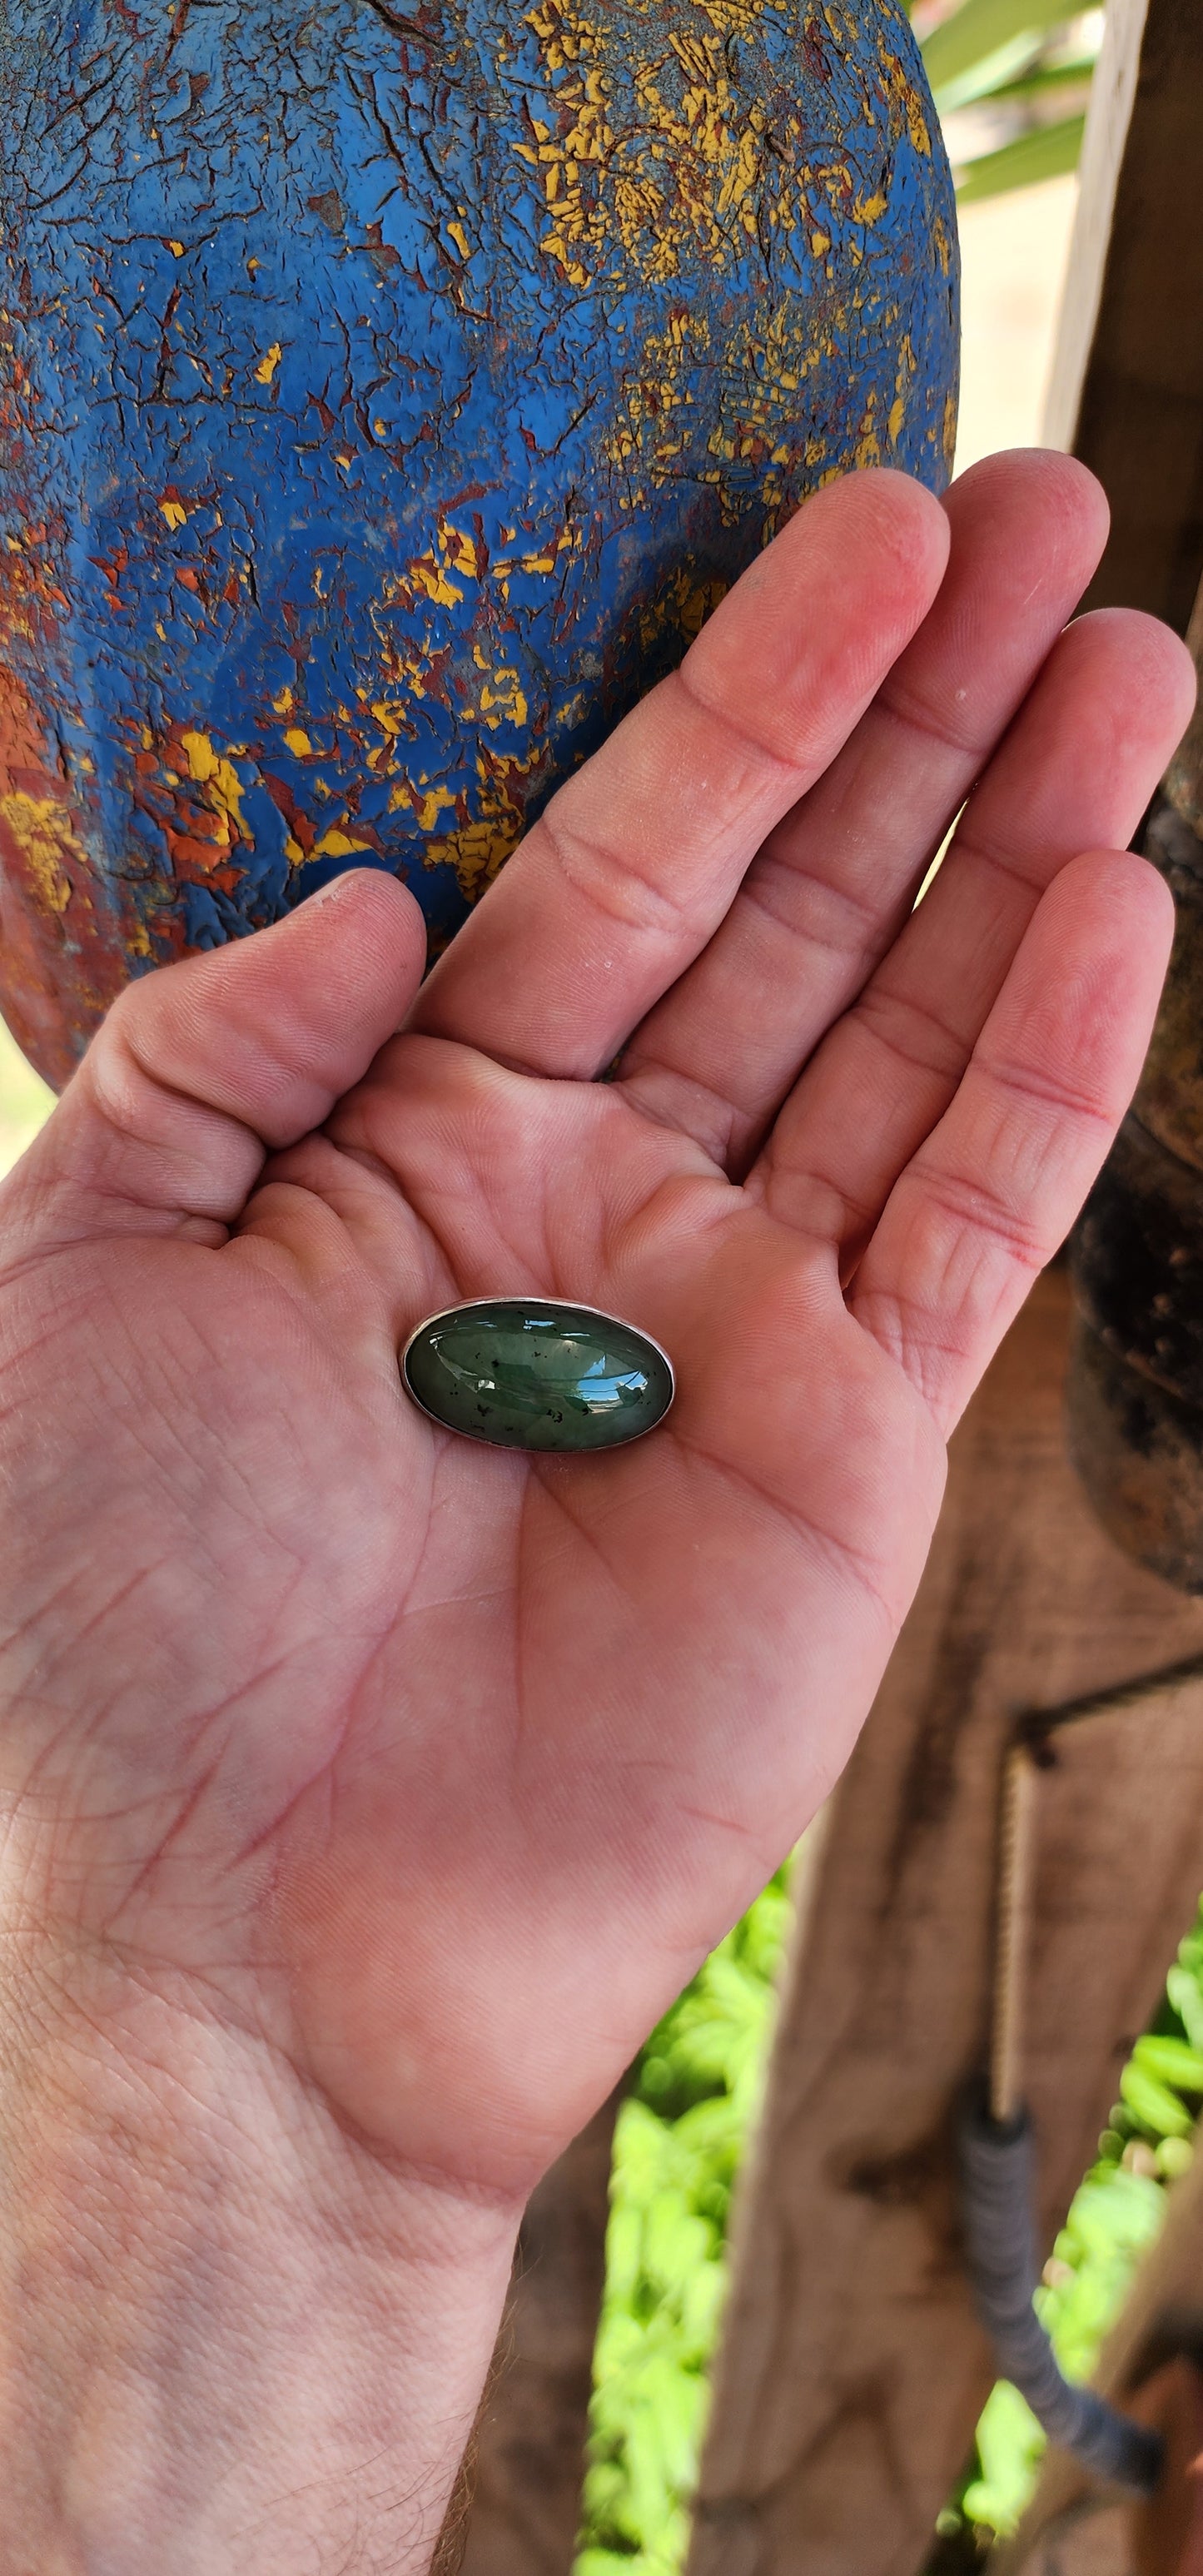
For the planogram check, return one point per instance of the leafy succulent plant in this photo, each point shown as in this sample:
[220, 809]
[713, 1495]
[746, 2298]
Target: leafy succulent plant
[680, 2137]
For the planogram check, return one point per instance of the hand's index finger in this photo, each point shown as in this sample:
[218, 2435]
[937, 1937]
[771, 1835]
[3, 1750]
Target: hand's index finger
[624, 879]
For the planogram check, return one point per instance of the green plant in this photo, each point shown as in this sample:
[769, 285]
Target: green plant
[1115, 2214]
[680, 2136]
[1010, 79]
[678, 2142]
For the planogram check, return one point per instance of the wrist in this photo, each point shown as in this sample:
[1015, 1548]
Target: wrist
[232, 2338]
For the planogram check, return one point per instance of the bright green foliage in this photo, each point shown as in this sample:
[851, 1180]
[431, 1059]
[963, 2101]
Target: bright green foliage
[1009, 2448]
[1113, 2216]
[1028, 61]
[1171, 2061]
[678, 2143]
[980, 30]
[1153, 2104]
[676, 2149]
[1046, 153]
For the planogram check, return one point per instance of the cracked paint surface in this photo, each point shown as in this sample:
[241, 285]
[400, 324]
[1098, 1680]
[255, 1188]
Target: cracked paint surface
[386, 396]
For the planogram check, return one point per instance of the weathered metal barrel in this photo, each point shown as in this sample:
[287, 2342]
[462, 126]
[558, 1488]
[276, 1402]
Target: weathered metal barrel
[1136, 1368]
[387, 392]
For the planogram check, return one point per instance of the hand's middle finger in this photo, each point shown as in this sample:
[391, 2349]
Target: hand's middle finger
[627, 875]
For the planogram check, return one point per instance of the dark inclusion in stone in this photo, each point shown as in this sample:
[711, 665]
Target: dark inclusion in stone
[537, 1376]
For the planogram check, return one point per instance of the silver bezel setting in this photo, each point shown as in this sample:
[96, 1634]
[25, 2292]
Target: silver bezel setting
[578, 1306]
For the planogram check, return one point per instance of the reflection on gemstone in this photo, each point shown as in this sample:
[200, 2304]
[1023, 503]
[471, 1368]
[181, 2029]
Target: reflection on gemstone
[537, 1377]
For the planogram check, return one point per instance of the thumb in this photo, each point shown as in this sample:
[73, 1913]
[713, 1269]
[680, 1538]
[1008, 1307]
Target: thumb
[202, 1068]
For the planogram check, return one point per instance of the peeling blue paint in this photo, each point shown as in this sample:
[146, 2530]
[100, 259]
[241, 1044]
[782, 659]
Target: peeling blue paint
[385, 397]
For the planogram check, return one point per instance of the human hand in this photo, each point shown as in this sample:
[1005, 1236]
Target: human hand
[421, 1774]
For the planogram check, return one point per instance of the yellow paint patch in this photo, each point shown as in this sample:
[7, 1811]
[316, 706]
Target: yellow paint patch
[869, 210]
[460, 551]
[390, 716]
[503, 700]
[905, 102]
[298, 740]
[267, 366]
[44, 837]
[176, 249]
[337, 844]
[690, 122]
[477, 852]
[285, 703]
[478, 849]
[174, 513]
[682, 607]
[460, 239]
[425, 807]
[902, 384]
[431, 578]
[217, 775]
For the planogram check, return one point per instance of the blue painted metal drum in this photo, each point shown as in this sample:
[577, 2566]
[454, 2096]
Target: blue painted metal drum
[387, 395]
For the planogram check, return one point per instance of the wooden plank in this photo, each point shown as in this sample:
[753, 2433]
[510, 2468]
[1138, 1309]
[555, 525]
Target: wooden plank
[853, 2370]
[1112, 96]
[530, 2441]
[1127, 384]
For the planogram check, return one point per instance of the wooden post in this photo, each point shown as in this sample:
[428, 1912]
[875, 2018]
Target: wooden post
[530, 2445]
[853, 2369]
[1127, 385]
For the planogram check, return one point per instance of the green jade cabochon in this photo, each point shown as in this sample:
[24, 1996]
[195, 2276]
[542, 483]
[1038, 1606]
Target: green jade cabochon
[528, 1375]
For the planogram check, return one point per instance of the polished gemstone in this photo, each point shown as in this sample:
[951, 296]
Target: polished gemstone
[527, 1375]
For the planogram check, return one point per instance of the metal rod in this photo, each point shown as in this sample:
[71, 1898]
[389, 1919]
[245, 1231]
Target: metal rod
[1012, 1927]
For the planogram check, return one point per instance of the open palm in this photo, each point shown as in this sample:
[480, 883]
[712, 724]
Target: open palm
[437, 1767]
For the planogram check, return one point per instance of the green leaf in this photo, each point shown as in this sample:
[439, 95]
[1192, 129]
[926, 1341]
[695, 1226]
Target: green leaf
[677, 2144]
[1009, 2443]
[1171, 2061]
[1155, 2106]
[1051, 81]
[1047, 154]
[985, 79]
[1184, 1991]
[980, 28]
